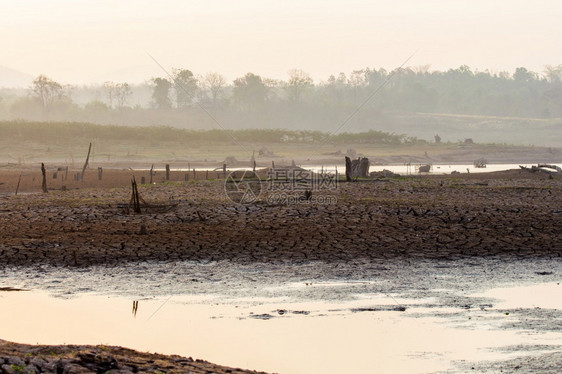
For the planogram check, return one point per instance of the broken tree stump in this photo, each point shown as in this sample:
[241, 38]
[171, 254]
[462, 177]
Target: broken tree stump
[356, 168]
[363, 167]
[167, 172]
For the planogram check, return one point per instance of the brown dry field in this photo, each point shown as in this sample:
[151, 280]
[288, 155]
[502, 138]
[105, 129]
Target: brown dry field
[509, 214]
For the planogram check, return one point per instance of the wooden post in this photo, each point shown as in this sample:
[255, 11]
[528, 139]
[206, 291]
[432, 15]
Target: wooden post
[186, 177]
[135, 200]
[44, 183]
[86, 163]
[18, 186]
[167, 172]
[143, 180]
[100, 172]
[207, 174]
[348, 171]
[151, 169]
[194, 174]
[254, 169]
[66, 173]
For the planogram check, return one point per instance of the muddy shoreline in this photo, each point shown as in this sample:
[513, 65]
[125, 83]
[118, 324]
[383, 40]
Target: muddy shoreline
[23, 358]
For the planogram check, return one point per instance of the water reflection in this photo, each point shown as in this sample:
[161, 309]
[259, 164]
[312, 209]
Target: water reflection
[363, 334]
[135, 308]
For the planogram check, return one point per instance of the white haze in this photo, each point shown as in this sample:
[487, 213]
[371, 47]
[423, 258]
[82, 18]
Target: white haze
[86, 42]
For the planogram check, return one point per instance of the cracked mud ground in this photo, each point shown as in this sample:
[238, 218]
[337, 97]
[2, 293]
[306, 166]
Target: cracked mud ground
[511, 214]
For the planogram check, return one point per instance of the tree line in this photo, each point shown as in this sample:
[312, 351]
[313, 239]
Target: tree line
[186, 100]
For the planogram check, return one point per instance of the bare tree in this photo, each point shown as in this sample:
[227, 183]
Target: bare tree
[298, 82]
[117, 93]
[47, 91]
[553, 73]
[122, 93]
[214, 83]
[110, 91]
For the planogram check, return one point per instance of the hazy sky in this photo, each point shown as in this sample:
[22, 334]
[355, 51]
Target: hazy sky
[77, 41]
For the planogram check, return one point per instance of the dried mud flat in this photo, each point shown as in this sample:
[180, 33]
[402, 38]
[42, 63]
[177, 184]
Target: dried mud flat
[509, 214]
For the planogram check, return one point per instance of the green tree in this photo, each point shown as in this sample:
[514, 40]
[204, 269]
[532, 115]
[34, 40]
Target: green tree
[523, 75]
[249, 92]
[161, 93]
[185, 86]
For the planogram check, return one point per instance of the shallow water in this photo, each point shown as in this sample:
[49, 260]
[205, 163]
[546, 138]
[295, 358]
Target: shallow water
[440, 168]
[311, 318]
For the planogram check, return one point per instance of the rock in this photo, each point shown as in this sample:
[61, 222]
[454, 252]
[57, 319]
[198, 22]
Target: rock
[30, 369]
[15, 361]
[38, 362]
[76, 369]
[98, 362]
[7, 369]
[383, 174]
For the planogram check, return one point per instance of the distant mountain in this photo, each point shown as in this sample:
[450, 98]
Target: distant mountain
[13, 78]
